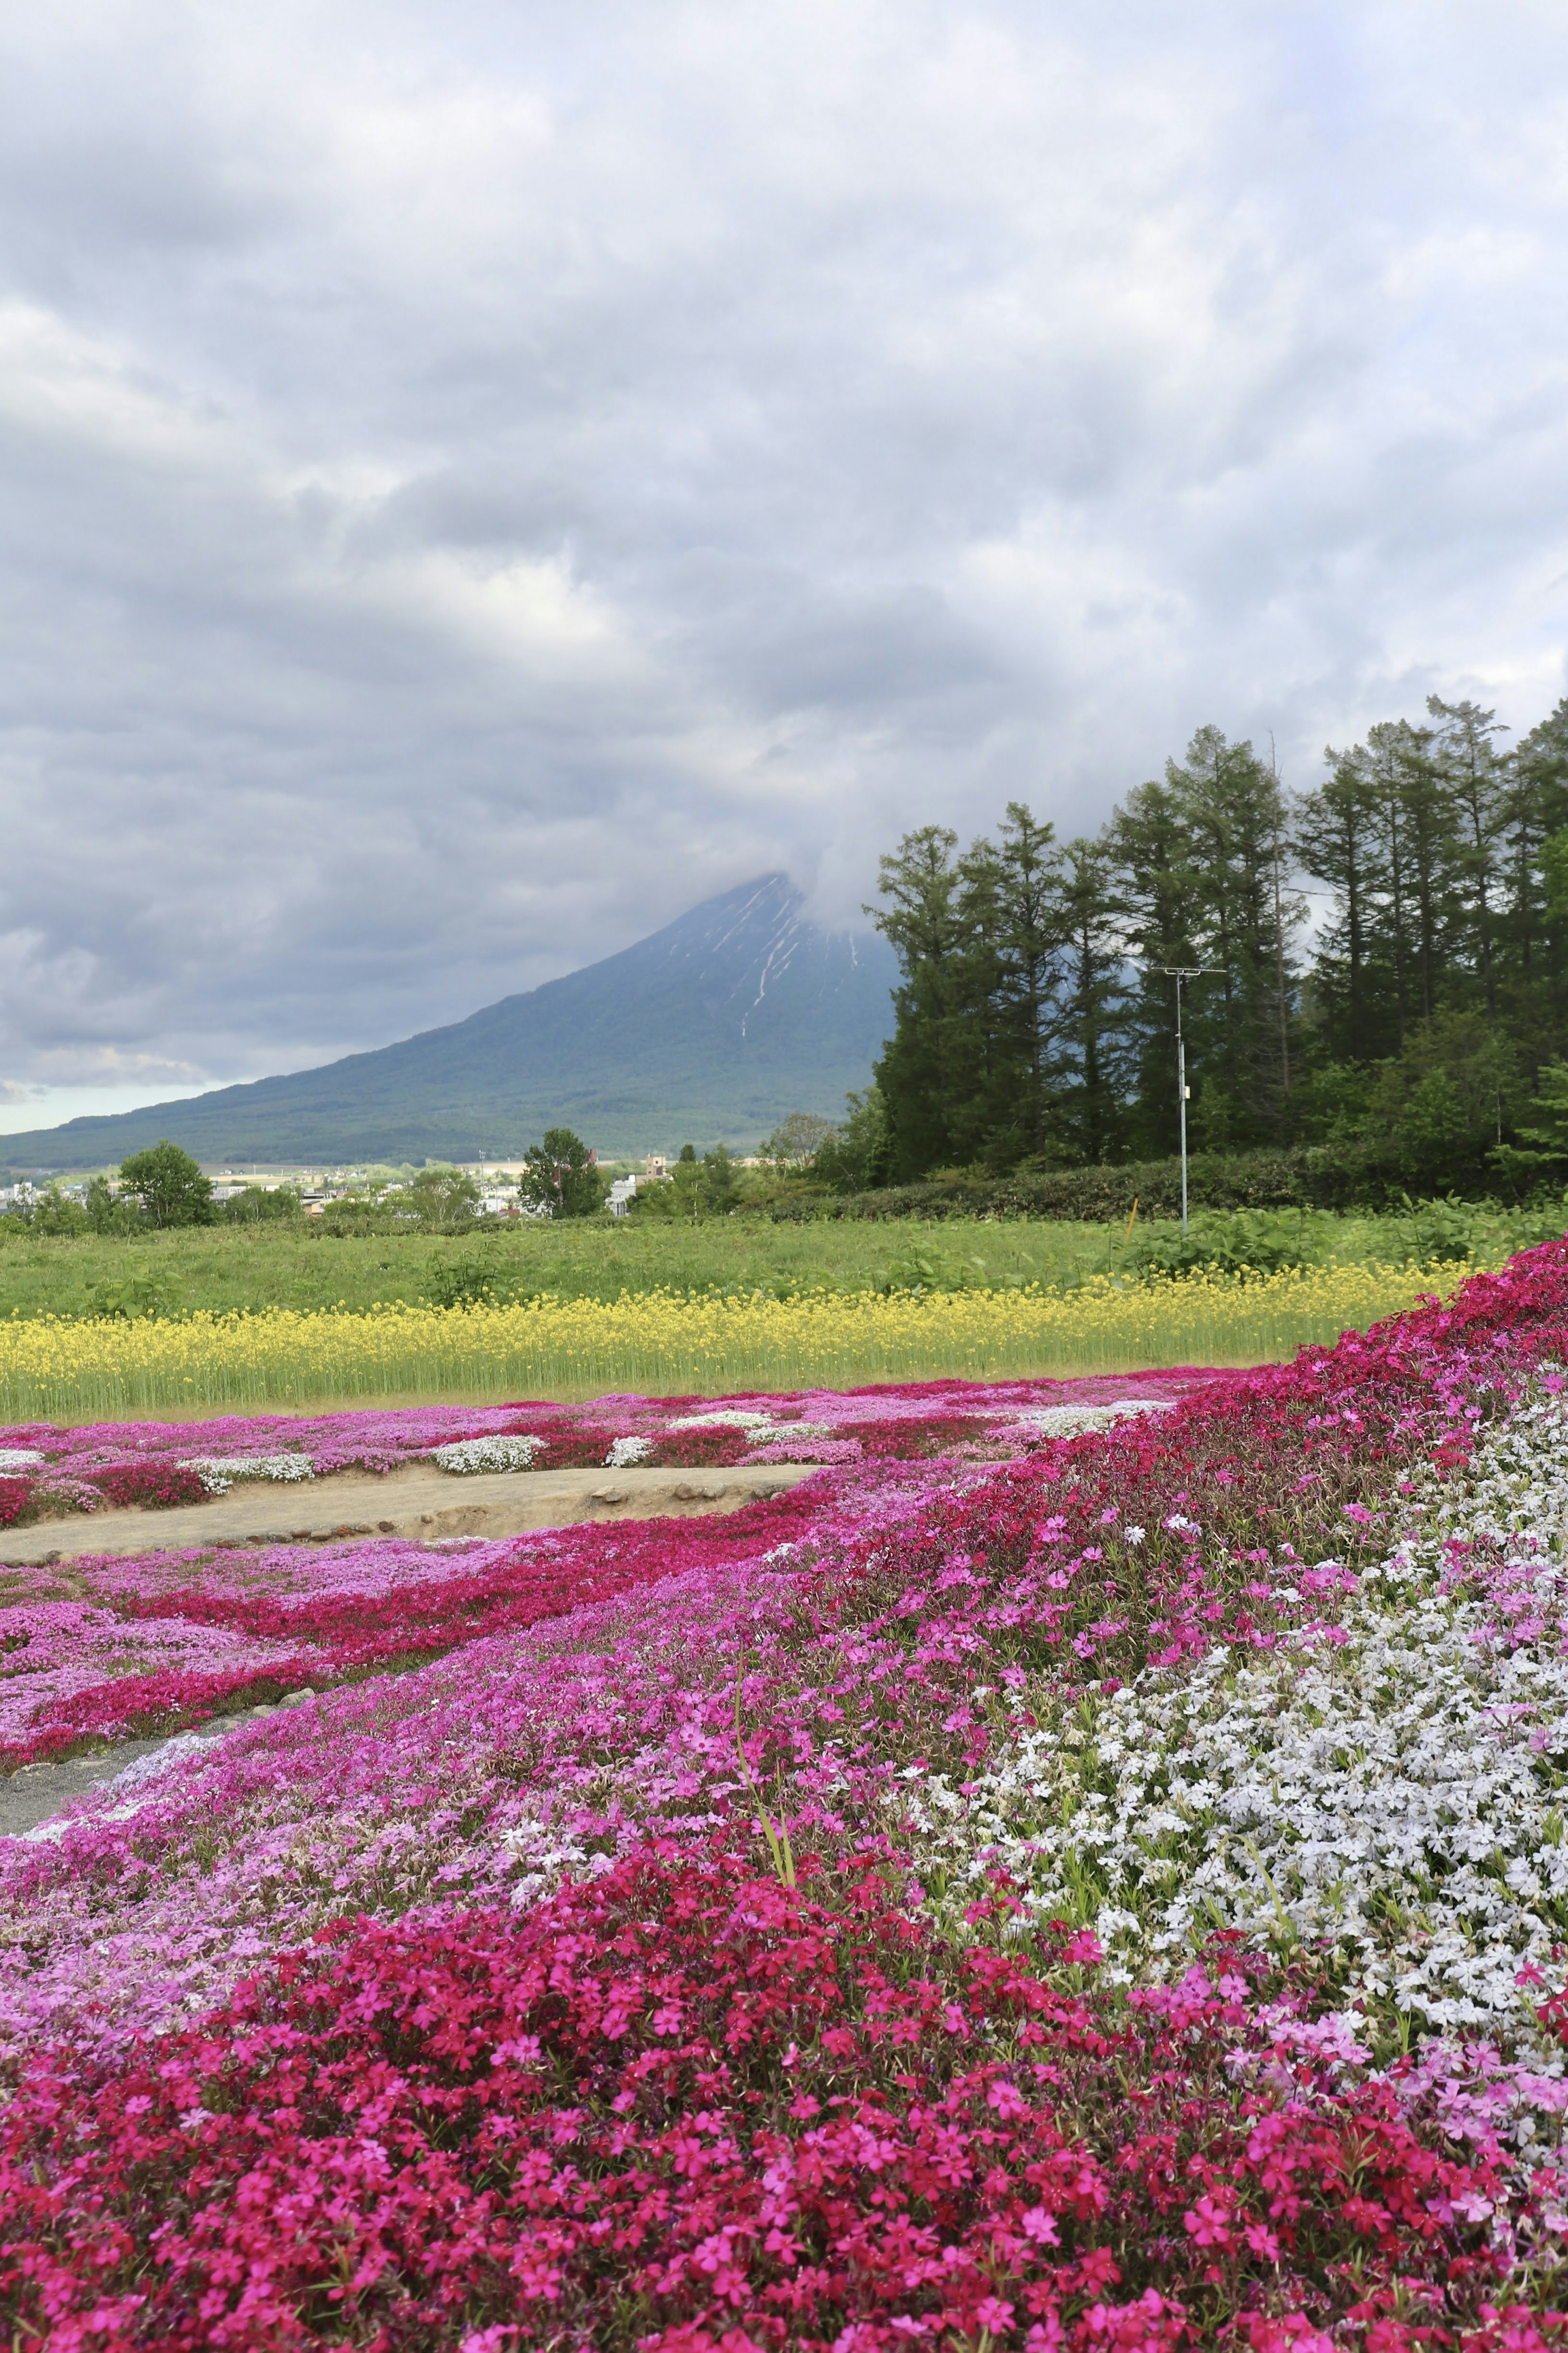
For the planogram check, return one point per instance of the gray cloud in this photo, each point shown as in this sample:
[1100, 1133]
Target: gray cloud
[473, 481]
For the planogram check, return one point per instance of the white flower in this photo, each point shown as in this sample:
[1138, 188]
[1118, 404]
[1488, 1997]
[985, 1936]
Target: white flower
[17, 1458]
[624, 1452]
[724, 1418]
[1396, 1796]
[218, 1472]
[467, 1454]
[1134, 1536]
[1066, 1421]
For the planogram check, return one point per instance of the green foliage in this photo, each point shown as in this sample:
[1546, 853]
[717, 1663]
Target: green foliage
[259, 1206]
[169, 1185]
[471, 1280]
[444, 1200]
[1034, 1017]
[129, 1297]
[107, 1213]
[52, 1213]
[302, 1264]
[695, 1190]
[858, 1152]
[559, 1177]
[720, 1182]
[1232, 1239]
[796, 1141]
[928, 1267]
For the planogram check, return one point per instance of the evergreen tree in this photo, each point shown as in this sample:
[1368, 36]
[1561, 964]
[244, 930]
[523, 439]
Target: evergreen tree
[918, 1077]
[1150, 858]
[1236, 819]
[1098, 1054]
[1477, 781]
[1035, 1021]
[1015, 922]
[1336, 840]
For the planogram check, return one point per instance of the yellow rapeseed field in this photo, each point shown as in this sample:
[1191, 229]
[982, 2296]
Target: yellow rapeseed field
[659, 1343]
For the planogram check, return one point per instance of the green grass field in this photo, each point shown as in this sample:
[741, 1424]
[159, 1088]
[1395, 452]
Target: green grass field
[223, 1269]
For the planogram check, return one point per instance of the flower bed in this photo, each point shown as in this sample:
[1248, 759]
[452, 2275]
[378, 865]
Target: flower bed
[679, 1969]
[754, 2120]
[49, 1472]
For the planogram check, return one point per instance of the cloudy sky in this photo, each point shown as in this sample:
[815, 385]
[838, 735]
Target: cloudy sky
[479, 479]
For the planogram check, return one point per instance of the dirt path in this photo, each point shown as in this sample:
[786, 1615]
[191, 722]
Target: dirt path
[409, 1502]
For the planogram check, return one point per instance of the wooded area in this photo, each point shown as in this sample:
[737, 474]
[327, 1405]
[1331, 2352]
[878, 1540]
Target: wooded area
[1385, 954]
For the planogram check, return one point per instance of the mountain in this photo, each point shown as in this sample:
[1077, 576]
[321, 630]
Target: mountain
[715, 1027]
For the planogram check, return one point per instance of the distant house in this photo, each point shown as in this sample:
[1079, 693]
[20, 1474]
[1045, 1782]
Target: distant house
[621, 1195]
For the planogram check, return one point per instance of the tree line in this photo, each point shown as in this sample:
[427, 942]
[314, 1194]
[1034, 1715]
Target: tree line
[1383, 964]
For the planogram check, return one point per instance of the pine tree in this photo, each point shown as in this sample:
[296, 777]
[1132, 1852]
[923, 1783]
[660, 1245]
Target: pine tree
[1150, 864]
[923, 1089]
[1336, 840]
[1096, 1045]
[1235, 816]
[1476, 780]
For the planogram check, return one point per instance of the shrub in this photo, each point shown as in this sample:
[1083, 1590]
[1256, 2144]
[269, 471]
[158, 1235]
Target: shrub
[155, 1486]
[712, 1449]
[466, 1282]
[576, 1449]
[14, 1494]
[912, 1441]
[259, 1206]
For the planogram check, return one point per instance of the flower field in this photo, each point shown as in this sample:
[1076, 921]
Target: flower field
[56, 1368]
[1058, 1878]
[49, 1473]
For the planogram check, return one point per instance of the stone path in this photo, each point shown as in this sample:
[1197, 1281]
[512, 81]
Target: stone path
[413, 1502]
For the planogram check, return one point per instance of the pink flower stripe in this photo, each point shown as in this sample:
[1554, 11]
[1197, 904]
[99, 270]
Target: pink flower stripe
[760, 2119]
[175, 1638]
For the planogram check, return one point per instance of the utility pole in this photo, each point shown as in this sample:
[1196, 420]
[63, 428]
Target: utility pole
[1178, 973]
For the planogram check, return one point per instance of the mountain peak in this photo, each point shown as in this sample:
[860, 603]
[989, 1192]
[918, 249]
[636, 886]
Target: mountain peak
[714, 1028]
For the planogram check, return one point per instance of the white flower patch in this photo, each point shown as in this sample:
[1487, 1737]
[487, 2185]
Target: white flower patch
[1068, 1420]
[624, 1452]
[1398, 1794]
[219, 1473]
[729, 1418]
[17, 1458]
[550, 1855]
[469, 1454]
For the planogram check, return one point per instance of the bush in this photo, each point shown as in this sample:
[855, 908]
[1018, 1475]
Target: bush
[466, 1282]
[52, 1213]
[1310, 1177]
[711, 1448]
[127, 1299]
[13, 1495]
[1234, 1240]
[153, 1486]
[255, 1206]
